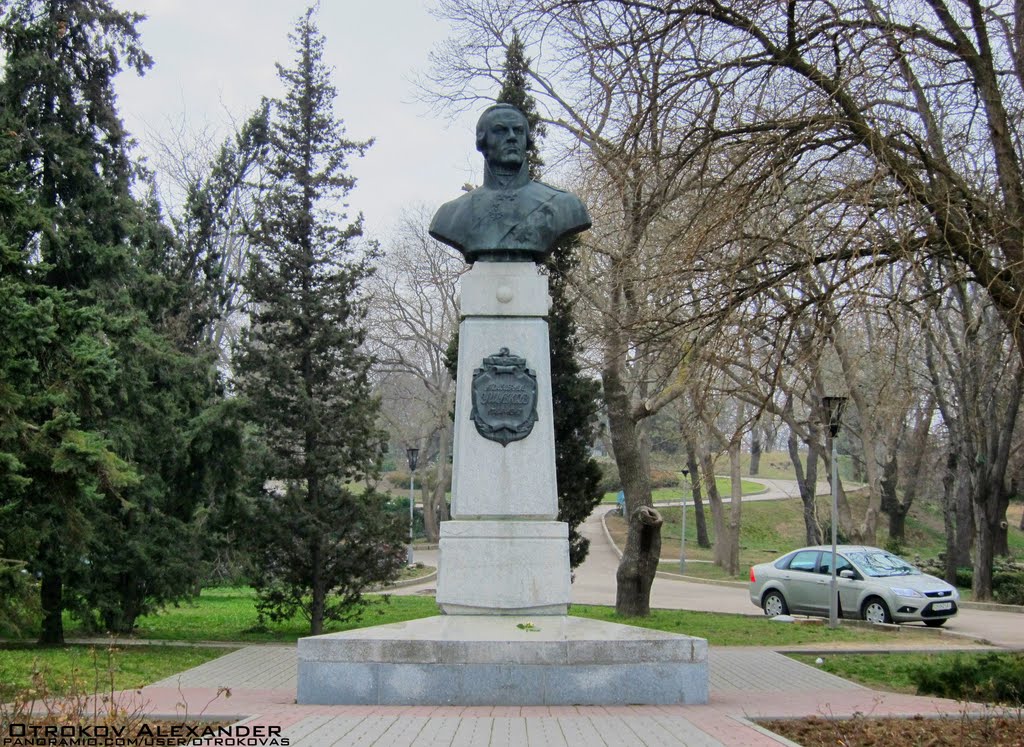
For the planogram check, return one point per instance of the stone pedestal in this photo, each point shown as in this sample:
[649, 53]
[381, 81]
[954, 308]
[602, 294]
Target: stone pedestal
[477, 660]
[503, 578]
[503, 552]
[503, 568]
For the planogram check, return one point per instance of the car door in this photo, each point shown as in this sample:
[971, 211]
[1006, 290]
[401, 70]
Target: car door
[849, 588]
[802, 583]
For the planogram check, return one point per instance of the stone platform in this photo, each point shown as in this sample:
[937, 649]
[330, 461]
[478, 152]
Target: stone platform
[476, 660]
[504, 568]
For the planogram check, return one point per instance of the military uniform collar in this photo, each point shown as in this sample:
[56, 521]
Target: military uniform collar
[493, 181]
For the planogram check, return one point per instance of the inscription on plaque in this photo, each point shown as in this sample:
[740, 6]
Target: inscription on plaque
[504, 398]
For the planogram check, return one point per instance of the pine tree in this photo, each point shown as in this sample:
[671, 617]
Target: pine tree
[574, 396]
[109, 407]
[301, 366]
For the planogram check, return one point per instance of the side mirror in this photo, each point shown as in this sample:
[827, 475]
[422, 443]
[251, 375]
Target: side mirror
[847, 573]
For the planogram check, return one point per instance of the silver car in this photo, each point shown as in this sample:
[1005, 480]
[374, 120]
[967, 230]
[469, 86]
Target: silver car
[873, 585]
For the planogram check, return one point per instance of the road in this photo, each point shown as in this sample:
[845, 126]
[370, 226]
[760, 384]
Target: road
[594, 583]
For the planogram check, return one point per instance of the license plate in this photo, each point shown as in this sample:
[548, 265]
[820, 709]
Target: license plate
[938, 606]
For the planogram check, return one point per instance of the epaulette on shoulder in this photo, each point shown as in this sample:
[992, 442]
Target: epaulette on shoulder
[545, 184]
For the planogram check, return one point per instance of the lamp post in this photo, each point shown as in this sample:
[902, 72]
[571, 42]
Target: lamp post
[834, 407]
[412, 454]
[682, 524]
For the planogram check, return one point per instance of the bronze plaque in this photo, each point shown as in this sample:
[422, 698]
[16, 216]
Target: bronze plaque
[504, 398]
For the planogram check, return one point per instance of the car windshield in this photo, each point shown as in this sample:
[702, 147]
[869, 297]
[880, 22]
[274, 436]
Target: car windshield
[879, 563]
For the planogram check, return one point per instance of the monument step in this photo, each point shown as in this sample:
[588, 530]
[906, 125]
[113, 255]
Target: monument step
[502, 660]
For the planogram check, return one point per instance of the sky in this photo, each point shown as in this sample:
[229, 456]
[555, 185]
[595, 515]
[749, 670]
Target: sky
[214, 60]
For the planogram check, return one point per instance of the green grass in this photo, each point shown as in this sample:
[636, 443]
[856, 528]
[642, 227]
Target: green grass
[74, 669]
[229, 614]
[892, 671]
[660, 495]
[744, 630]
[771, 528]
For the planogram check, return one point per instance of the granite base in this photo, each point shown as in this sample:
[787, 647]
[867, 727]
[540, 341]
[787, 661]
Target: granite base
[500, 660]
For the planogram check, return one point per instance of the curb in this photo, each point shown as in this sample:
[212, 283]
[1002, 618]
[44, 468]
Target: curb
[992, 606]
[406, 582]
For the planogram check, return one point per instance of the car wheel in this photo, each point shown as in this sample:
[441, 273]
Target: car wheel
[936, 623]
[774, 604]
[875, 611]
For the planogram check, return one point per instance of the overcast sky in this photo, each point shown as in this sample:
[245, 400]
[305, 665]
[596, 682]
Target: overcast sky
[214, 59]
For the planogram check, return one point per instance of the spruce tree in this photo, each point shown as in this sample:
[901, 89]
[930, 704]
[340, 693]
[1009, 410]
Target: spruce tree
[110, 405]
[301, 366]
[574, 396]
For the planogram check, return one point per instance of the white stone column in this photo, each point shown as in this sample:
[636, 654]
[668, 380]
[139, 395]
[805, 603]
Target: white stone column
[503, 552]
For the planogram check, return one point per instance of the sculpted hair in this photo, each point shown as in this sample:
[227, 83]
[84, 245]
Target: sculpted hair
[481, 125]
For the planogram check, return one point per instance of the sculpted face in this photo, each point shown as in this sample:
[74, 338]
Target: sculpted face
[505, 134]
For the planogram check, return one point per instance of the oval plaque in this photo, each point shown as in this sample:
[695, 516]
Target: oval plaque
[504, 398]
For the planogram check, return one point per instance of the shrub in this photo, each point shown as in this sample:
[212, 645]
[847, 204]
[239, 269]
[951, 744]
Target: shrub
[19, 599]
[1008, 587]
[661, 478]
[610, 482]
[988, 678]
[400, 507]
[399, 479]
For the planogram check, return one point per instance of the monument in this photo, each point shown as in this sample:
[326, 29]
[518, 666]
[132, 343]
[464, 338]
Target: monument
[504, 636]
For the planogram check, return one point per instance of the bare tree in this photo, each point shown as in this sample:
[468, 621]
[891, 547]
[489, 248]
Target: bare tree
[210, 192]
[977, 387]
[778, 167]
[413, 316]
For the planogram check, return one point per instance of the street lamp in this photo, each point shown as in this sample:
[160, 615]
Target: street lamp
[834, 407]
[682, 524]
[412, 454]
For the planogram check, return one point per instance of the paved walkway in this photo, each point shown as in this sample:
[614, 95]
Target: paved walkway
[258, 683]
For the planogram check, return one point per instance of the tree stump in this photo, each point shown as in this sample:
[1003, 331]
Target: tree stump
[639, 562]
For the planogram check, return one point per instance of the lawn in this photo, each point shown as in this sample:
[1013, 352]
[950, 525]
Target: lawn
[228, 614]
[771, 528]
[665, 495]
[892, 671]
[74, 669]
[744, 630]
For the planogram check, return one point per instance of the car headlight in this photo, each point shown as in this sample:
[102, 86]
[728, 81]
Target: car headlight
[906, 592]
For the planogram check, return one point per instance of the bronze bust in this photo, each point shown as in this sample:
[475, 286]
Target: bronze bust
[511, 218]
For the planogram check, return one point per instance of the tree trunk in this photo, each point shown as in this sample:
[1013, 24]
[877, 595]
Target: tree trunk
[428, 498]
[847, 527]
[643, 542]
[963, 507]
[918, 450]
[317, 592]
[866, 531]
[51, 597]
[639, 563]
[892, 507]
[698, 505]
[807, 484]
[435, 507]
[755, 452]
[984, 554]
[949, 485]
[444, 472]
[122, 620]
[736, 483]
[721, 542]
[1001, 540]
